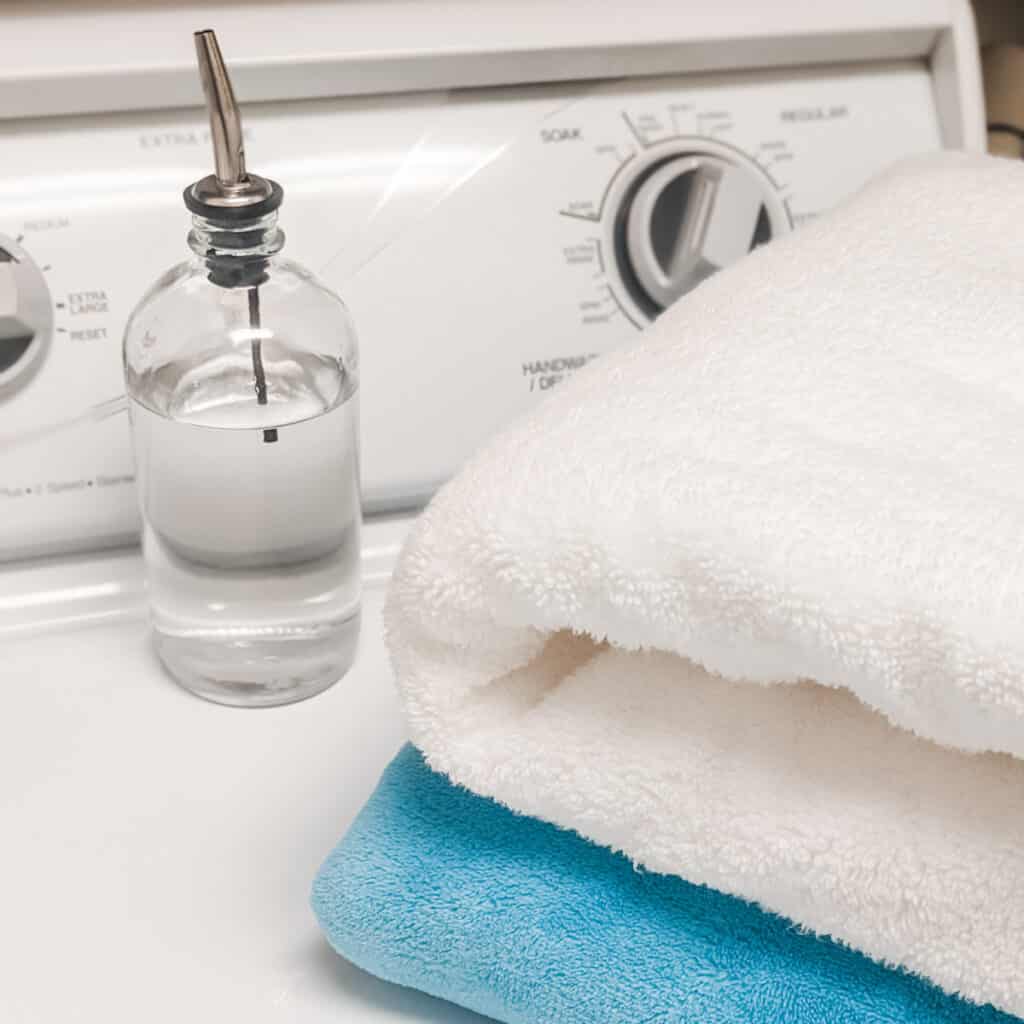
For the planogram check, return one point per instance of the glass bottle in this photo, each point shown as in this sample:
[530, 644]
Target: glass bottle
[242, 376]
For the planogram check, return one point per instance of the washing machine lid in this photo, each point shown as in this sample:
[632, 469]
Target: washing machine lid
[98, 56]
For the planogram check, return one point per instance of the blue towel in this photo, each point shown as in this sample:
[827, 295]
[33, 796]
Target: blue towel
[450, 893]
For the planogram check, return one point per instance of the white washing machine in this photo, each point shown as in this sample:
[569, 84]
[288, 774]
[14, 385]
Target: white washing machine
[499, 189]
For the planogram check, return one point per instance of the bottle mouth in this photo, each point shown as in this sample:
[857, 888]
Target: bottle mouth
[249, 200]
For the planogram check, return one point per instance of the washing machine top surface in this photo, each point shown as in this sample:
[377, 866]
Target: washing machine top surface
[159, 850]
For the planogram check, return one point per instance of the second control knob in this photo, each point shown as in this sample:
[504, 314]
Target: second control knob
[683, 219]
[26, 315]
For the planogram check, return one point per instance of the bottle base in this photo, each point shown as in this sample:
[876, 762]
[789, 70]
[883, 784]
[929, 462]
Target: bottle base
[257, 671]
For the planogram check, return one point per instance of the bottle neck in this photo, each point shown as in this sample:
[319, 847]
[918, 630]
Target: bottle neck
[245, 239]
[236, 253]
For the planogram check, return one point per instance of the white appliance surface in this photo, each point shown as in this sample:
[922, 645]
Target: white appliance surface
[158, 850]
[477, 179]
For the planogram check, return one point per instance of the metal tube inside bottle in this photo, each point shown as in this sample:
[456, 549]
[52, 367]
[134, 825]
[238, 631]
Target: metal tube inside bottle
[269, 436]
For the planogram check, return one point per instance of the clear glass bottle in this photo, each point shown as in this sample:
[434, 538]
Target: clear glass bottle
[242, 375]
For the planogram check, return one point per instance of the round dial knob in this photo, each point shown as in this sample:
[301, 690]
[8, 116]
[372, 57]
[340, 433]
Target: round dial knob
[26, 315]
[686, 218]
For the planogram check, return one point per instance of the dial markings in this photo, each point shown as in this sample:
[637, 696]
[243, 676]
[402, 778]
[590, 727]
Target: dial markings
[591, 218]
[674, 110]
[595, 217]
[618, 171]
[634, 130]
[789, 211]
[615, 153]
[622, 309]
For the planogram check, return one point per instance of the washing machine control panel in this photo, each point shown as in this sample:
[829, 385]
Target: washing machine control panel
[488, 243]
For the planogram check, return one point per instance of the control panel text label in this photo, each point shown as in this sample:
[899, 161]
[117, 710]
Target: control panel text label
[800, 114]
[561, 135]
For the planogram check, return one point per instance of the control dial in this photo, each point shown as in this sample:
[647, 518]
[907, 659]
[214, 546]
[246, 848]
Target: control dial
[685, 217]
[26, 315]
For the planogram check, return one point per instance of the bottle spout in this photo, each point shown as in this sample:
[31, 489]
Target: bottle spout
[225, 119]
[231, 193]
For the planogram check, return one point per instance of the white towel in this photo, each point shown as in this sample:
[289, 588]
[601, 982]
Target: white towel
[811, 468]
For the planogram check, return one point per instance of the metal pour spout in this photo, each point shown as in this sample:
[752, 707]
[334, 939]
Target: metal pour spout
[225, 119]
[231, 193]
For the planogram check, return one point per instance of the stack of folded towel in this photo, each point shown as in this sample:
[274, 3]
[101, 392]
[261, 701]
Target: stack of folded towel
[744, 603]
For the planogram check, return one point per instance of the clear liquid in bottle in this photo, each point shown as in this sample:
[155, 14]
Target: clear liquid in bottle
[251, 545]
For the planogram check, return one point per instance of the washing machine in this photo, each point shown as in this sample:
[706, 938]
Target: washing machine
[500, 190]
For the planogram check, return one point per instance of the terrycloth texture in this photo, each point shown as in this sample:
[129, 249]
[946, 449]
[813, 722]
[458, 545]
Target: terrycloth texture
[812, 467]
[450, 893]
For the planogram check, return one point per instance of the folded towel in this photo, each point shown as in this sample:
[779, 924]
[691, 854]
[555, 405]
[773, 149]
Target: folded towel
[811, 468]
[450, 893]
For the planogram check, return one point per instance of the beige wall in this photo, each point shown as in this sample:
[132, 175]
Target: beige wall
[1000, 21]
